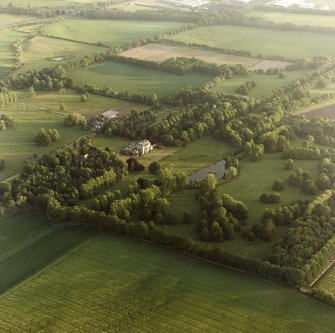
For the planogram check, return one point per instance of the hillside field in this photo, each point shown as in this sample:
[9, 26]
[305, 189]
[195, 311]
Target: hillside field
[295, 18]
[6, 19]
[262, 41]
[265, 83]
[327, 282]
[47, 3]
[112, 284]
[124, 77]
[108, 32]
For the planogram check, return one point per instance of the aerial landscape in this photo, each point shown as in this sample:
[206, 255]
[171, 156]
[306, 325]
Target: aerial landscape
[167, 166]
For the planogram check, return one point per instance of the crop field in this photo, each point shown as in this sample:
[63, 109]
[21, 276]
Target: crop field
[161, 52]
[298, 19]
[324, 112]
[40, 52]
[7, 38]
[265, 83]
[47, 3]
[108, 32]
[111, 284]
[23, 243]
[7, 19]
[123, 77]
[262, 41]
[327, 282]
[269, 168]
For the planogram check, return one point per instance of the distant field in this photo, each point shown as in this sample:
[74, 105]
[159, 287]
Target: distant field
[122, 77]
[6, 19]
[262, 41]
[40, 52]
[109, 32]
[327, 282]
[112, 284]
[161, 52]
[265, 83]
[265, 171]
[324, 112]
[298, 19]
[47, 3]
[7, 38]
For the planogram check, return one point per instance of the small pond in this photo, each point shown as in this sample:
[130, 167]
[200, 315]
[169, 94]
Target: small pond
[219, 168]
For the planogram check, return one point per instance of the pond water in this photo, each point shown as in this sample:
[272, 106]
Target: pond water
[218, 168]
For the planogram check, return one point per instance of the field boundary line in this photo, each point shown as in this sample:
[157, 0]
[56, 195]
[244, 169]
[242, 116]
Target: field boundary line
[322, 273]
[46, 267]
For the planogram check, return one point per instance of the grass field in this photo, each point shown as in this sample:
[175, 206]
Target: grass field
[7, 19]
[108, 32]
[110, 284]
[265, 83]
[122, 77]
[257, 177]
[327, 282]
[47, 3]
[262, 41]
[161, 52]
[7, 38]
[39, 52]
[298, 19]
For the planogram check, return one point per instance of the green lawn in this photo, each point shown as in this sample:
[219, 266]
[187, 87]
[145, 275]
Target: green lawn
[265, 83]
[40, 52]
[123, 77]
[257, 177]
[109, 32]
[262, 41]
[298, 19]
[111, 284]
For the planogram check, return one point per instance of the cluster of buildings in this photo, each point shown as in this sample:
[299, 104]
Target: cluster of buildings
[137, 149]
[99, 120]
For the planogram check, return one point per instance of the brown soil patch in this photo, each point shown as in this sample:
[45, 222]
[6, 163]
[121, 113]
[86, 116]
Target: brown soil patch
[324, 112]
[268, 64]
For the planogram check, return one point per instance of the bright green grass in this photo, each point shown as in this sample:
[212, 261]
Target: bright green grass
[298, 19]
[196, 155]
[109, 32]
[111, 284]
[265, 83]
[6, 19]
[7, 38]
[327, 282]
[262, 41]
[122, 77]
[29, 241]
[257, 177]
[39, 51]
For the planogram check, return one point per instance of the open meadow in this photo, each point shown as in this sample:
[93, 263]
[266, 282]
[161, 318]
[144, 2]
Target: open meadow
[113, 284]
[297, 44]
[40, 52]
[8, 19]
[124, 77]
[7, 38]
[327, 282]
[264, 83]
[47, 3]
[108, 32]
[295, 18]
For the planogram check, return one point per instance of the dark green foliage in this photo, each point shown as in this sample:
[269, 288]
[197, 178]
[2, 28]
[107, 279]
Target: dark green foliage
[278, 185]
[46, 137]
[270, 197]
[154, 168]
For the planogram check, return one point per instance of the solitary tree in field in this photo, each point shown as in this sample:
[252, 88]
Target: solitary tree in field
[32, 92]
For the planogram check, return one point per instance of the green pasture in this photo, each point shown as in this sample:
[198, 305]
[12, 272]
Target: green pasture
[7, 38]
[110, 284]
[297, 44]
[265, 83]
[108, 32]
[48, 3]
[40, 52]
[257, 177]
[295, 18]
[327, 282]
[124, 77]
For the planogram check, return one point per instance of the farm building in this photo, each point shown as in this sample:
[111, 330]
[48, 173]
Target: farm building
[138, 149]
[109, 115]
